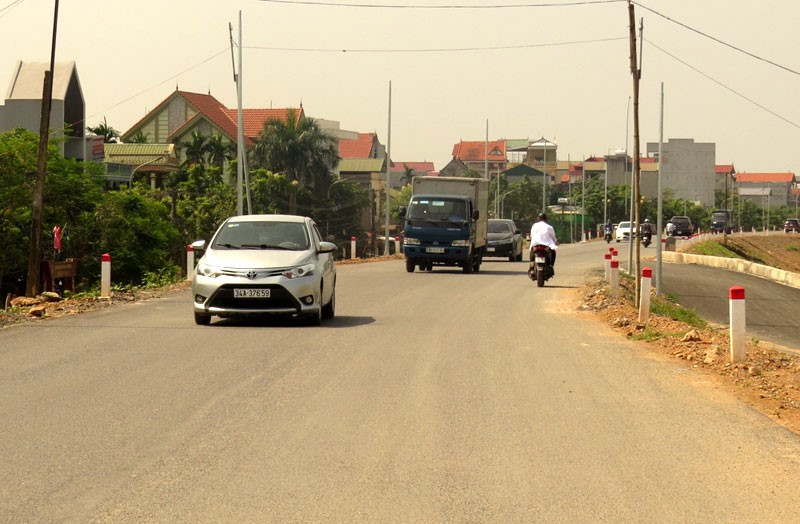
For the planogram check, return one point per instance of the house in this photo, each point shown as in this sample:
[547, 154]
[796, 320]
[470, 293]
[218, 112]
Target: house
[402, 172]
[766, 190]
[182, 113]
[480, 155]
[152, 162]
[23, 104]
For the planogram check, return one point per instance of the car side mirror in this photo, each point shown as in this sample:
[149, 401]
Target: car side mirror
[198, 245]
[402, 212]
[476, 214]
[327, 247]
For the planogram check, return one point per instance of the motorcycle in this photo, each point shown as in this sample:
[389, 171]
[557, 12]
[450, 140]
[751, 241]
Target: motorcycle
[608, 236]
[647, 237]
[541, 268]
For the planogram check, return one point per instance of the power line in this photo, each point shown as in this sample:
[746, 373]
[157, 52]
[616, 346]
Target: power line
[437, 50]
[454, 6]
[7, 9]
[723, 85]
[198, 64]
[740, 50]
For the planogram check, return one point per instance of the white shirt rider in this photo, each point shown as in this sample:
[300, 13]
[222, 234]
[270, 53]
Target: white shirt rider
[543, 233]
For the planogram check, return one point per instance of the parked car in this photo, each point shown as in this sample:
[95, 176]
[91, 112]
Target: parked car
[504, 239]
[623, 232]
[791, 225]
[681, 226]
[265, 265]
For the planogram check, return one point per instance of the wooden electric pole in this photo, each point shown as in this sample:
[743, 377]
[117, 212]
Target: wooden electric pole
[637, 74]
[35, 257]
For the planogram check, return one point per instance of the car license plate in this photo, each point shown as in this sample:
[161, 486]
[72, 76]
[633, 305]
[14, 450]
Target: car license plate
[490, 249]
[434, 250]
[539, 260]
[250, 293]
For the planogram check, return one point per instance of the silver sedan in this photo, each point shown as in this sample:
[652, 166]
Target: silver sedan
[265, 265]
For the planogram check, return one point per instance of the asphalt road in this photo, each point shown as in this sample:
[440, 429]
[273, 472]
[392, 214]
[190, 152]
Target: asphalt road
[432, 397]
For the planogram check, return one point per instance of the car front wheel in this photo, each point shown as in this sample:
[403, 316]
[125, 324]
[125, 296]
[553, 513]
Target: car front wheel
[202, 320]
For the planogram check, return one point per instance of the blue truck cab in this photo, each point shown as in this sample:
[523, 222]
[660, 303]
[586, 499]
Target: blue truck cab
[445, 223]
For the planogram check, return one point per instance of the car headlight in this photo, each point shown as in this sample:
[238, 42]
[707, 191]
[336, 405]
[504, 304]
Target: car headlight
[460, 243]
[411, 241]
[306, 270]
[208, 270]
[506, 241]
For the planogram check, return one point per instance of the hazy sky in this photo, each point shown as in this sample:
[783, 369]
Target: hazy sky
[555, 68]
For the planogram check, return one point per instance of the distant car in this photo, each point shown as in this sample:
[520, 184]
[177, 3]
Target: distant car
[792, 225]
[681, 226]
[504, 239]
[623, 232]
[265, 265]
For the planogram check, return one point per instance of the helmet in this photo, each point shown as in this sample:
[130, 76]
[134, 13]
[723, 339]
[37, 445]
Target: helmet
[646, 220]
[542, 216]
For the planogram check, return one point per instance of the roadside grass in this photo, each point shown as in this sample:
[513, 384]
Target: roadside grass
[667, 306]
[648, 334]
[712, 248]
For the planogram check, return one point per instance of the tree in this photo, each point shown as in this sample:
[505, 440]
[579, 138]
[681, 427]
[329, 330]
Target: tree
[299, 148]
[218, 151]
[108, 133]
[140, 137]
[195, 150]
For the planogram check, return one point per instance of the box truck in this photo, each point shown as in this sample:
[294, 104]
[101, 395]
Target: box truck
[445, 223]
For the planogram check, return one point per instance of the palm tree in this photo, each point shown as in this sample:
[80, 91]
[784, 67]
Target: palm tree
[140, 137]
[195, 150]
[108, 133]
[219, 151]
[301, 149]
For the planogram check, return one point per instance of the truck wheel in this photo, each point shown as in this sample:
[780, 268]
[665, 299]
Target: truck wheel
[468, 266]
[410, 265]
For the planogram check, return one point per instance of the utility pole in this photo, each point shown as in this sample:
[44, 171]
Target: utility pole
[35, 257]
[636, 72]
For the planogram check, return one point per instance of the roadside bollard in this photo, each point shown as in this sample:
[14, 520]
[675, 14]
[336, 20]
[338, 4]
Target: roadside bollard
[614, 280]
[607, 266]
[189, 263]
[352, 248]
[644, 298]
[105, 275]
[737, 323]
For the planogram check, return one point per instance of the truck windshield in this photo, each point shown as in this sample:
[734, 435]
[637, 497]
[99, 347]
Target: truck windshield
[437, 209]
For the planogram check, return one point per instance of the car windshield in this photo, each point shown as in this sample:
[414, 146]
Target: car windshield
[437, 210]
[624, 225]
[262, 235]
[499, 227]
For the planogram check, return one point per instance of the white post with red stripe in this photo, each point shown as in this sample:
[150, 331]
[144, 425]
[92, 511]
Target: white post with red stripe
[607, 266]
[737, 323]
[644, 297]
[614, 280]
[352, 248]
[189, 263]
[105, 275]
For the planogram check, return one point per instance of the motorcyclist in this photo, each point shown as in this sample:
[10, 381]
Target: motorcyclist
[647, 230]
[544, 234]
[609, 230]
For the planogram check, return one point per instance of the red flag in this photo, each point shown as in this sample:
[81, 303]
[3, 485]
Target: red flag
[57, 238]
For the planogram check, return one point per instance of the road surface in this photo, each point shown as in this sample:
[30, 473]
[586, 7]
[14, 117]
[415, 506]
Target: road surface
[431, 397]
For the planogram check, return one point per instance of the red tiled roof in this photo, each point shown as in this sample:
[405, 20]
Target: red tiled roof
[417, 167]
[745, 178]
[254, 119]
[724, 169]
[474, 151]
[227, 119]
[358, 148]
